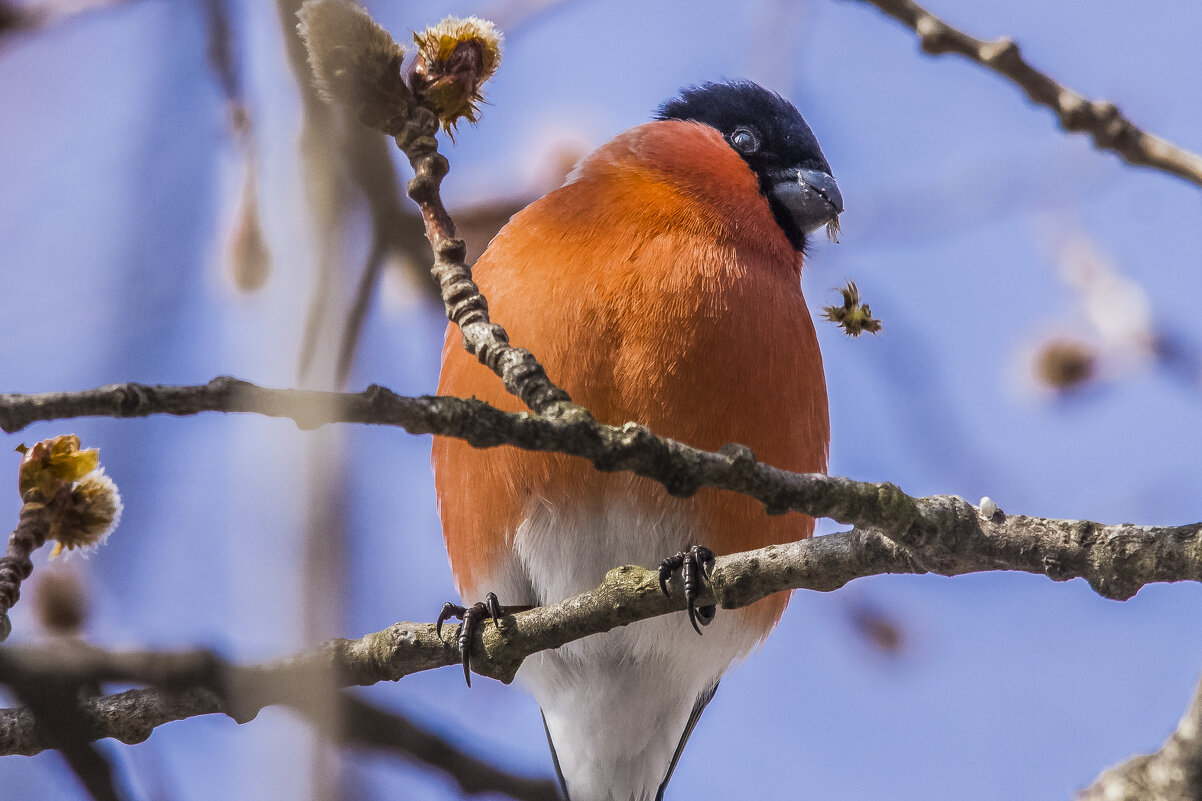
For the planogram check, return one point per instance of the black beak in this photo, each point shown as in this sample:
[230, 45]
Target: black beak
[811, 196]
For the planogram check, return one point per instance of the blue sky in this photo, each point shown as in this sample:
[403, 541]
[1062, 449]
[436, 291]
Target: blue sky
[119, 180]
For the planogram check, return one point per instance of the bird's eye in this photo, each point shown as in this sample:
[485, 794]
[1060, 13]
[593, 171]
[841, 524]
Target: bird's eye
[745, 139]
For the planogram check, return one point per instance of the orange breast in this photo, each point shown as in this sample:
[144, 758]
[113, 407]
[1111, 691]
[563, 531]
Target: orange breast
[655, 287]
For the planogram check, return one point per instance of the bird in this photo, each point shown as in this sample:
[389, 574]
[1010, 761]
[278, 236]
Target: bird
[660, 284]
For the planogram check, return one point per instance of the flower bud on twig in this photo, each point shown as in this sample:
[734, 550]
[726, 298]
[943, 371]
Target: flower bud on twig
[356, 63]
[67, 498]
[454, 59]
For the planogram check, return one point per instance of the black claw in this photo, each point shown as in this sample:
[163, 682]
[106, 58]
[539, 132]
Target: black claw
[471, 621]
[449, 610]
[472, 616]
[494, 608]
[694, 566]
[667, 568]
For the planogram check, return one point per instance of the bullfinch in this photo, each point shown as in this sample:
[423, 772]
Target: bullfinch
[660, 284]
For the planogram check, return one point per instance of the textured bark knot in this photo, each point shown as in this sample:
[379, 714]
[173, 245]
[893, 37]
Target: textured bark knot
[521, 366]
[1055, 569]
[1002, 54]
[931, 34]
[740, 460]
[462, 296]
[1073, 110]
[131, 400]
[376, 394]
[452, 249]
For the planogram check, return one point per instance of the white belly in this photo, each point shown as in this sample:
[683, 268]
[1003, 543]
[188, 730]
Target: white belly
[616, 704]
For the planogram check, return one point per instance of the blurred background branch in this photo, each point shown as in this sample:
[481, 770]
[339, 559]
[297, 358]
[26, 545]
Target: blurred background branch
[30, 17]
[61, 713]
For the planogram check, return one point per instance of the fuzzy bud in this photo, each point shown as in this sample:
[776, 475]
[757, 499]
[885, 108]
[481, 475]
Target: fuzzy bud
[60, 601]
[1065, 364]
[88, 515]
[67, 498]
[248, 252]
[878, 630]
[990, 510]
[80, 502]
[356, 63]
[853, 317]
[454, 59]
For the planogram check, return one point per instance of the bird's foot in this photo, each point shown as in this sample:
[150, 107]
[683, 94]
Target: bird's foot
[472, 616]
[694, 566]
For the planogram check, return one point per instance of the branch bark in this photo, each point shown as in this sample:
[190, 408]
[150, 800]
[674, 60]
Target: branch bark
[1101, 119]
[466, 307]
[1117, 559]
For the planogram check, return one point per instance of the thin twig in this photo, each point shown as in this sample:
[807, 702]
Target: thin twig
[33, 527]
[356, 64]
[521, 373]
[1101, 119]
[357, 314]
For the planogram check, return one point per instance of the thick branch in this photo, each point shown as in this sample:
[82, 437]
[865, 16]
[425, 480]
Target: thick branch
[1100, 119]
[1151, 554]
[680, 468]
[1116, 560]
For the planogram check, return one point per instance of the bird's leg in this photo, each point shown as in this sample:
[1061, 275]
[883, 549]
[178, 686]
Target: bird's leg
[472, 616]
[694, 566]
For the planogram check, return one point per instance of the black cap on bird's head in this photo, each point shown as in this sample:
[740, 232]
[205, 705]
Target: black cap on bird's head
[773, 138]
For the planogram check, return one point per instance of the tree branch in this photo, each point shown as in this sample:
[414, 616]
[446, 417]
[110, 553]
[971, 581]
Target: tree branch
[466, 307]
[356, 64]
[199, 682]
[1116, 560]
[1101, 119]
[1174, 773]
[361, 724]
[1133, 555]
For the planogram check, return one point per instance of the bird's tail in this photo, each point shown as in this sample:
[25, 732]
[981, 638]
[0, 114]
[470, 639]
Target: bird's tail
[620, 740]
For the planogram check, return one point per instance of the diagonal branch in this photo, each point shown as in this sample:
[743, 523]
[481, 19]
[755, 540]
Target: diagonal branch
[1101, 119]
[356, 64]
[363, 725]
[466, 307]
